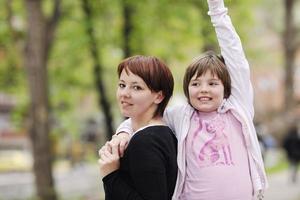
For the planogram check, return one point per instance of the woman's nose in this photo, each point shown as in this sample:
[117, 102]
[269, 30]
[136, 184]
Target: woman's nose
[125, 92]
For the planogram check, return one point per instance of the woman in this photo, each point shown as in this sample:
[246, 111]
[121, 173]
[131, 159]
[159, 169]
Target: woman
[148, 168]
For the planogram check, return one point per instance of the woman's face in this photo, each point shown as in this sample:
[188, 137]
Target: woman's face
[134, 97]
[206, 92]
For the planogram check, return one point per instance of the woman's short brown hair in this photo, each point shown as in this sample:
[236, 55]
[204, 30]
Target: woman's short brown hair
[209, 61]
[154, 73]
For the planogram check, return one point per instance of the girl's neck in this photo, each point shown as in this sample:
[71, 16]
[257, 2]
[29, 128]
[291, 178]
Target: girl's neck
[207, 115]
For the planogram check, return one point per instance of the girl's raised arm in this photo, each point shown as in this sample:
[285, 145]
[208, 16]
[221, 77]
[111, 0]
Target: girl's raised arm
[233, 53]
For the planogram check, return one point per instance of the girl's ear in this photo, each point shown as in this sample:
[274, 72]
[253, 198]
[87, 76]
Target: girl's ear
[159, 97]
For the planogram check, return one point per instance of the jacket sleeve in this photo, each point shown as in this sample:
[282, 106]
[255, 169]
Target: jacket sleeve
[115, 187]
[172, 117]
[232, 51]
[126, 127]
[147, 166]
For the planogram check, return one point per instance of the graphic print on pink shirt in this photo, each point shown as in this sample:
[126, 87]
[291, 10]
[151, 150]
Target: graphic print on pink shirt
[214, 148]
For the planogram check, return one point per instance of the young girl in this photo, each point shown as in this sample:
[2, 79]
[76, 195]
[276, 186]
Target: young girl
[148, 169]
[218, 151]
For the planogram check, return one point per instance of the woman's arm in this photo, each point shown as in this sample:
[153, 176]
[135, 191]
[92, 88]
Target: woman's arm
[147, 168]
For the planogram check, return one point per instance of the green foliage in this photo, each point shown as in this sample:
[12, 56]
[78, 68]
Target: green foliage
[12, 74]
[11, 34]
[169, 29]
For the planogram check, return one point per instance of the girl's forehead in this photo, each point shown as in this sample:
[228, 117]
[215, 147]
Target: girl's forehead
[205, 73]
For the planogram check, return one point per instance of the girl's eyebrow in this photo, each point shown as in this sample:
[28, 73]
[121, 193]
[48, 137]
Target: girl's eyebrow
[194, 79]
[214, 79]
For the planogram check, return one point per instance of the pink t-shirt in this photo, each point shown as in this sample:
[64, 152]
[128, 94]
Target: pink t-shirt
[217, 160]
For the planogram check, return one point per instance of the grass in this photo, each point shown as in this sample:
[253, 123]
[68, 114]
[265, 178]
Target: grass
[280, 166]
[281, 162]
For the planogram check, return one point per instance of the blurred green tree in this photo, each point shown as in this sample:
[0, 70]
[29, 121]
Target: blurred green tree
[98, 69]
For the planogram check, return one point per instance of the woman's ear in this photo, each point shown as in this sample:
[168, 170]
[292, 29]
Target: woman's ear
[159, 97]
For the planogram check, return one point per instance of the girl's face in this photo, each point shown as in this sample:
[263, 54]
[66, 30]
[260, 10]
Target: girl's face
[134, 97]
[206, 92]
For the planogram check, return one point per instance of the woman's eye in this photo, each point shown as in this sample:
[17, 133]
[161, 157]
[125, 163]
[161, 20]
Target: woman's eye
[136, 87]
[121, 85]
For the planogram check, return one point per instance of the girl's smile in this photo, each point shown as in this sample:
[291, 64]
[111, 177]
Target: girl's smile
[206, 92]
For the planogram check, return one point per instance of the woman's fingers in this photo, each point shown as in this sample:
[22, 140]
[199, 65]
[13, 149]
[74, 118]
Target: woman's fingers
[105, 147]
[108, 146]
[109, 161]
[115, 150]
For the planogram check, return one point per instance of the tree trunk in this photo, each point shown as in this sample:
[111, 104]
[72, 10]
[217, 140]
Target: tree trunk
[103, 100]
[289, 55]
[39, 37]
[127, 27]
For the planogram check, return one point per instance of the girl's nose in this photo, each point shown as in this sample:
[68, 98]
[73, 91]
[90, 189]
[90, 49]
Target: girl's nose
[203, 89]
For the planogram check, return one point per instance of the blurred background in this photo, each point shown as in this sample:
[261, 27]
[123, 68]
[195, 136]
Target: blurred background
[58, 61]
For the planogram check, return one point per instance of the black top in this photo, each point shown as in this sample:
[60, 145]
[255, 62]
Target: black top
[148, 169]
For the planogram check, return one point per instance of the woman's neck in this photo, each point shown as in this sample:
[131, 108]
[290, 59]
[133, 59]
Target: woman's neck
[138, 123]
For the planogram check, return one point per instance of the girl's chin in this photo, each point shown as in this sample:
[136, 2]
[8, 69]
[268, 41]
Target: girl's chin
[206, 109]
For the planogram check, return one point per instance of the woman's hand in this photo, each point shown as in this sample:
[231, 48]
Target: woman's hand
[109, 159]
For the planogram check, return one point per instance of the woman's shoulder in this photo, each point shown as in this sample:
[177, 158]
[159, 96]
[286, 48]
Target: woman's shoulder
[154, 133]
[153, 139]
[153, 130]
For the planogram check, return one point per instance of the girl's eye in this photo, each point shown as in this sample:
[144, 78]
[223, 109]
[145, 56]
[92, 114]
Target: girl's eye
[195, 84]
[122, 85]
[213, 83]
